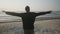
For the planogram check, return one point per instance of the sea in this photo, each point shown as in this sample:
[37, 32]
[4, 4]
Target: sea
[44, 24]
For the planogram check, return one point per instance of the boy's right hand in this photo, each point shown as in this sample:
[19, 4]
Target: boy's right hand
[3, 11]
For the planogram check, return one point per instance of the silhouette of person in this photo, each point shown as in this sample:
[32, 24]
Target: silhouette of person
[28, 19]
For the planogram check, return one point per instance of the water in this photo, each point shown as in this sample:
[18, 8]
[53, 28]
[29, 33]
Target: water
[13, 24]
[54, 14]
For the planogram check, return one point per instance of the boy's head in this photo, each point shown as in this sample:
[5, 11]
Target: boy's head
[27, 8]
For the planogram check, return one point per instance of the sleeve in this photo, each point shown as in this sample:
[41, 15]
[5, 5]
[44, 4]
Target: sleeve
[14, 14]
[43, 13]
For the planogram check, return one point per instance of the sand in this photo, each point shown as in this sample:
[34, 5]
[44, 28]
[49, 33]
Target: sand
[41, 27]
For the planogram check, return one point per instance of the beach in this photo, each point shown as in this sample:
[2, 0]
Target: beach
[41, 27]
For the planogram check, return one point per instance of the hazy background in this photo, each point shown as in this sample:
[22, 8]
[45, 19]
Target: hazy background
[44, 24]
[35, 5]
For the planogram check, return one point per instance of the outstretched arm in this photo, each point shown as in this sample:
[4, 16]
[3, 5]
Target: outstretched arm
[43, 13]
[13, 13]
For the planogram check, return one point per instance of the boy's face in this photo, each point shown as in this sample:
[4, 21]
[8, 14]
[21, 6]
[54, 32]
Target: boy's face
[27, 8]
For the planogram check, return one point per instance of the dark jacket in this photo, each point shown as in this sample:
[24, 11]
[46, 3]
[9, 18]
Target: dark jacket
[27, 18]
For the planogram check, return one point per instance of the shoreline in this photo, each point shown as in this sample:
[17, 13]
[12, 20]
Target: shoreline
[21, 20]
[51, 26]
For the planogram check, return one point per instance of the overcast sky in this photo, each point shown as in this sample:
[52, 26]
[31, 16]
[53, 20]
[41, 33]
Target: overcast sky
[35, 5]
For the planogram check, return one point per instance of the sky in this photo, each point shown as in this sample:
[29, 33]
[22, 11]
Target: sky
[35, 5]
